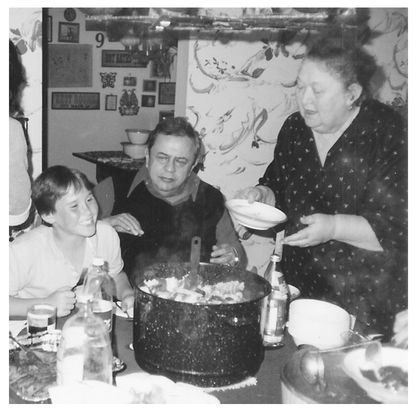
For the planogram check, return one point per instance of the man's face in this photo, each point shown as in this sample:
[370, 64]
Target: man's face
[75, 213]
[170, 162]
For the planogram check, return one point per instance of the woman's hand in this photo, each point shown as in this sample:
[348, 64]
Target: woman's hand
[321, 228]
[261, 194]
[124, 222]
[224, 254]
[400, 338]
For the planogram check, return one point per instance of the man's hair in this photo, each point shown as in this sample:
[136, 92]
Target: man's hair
[53, 183]
[177, 127]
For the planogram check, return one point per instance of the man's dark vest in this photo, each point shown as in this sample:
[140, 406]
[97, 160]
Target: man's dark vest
[168, 230]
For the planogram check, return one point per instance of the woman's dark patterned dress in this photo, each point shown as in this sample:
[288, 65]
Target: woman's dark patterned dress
[365, 174]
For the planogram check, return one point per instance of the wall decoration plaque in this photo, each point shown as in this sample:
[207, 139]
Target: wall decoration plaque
[68, 32]
[166, 93]
[49, 29]
[111, 102]
[149, 85]
[69, 14]
[75, 100]
[117, 58]
[148, 100]
[108, 79]
[129, 104]
[69, 65]
[129, 81]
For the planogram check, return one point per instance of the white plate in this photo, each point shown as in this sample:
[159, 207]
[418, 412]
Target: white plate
[147, 388]
[355, 362]
[255, 215]
[119, 312]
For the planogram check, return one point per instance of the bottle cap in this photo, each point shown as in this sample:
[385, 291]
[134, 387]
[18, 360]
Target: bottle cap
[98, 261]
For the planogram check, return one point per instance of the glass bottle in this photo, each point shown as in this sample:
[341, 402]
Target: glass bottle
[84, 352]
[275, 305]
[99, 288]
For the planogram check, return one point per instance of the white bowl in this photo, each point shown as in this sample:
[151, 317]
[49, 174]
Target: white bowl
[137, 136]
[355, 363]
[134, 151]
[255, 215]
[318, 323]
[294, 292]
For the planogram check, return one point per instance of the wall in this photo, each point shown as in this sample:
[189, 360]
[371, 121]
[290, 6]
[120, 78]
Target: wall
[25, 31]
[91, 130]
[238, 94]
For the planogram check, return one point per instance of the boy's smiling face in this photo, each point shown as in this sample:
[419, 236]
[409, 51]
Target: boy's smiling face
[75, 213]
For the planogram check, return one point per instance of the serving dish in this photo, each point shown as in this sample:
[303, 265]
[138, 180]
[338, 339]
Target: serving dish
[357, 367]
[29, 379]
[255, 215]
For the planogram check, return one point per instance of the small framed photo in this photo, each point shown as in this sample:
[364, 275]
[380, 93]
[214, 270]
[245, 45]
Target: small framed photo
[68, 32]
[148, 100]
[130, 81]
[167, 93]
[166, 115]
[111, 102]
[149, 85]
[49, 29]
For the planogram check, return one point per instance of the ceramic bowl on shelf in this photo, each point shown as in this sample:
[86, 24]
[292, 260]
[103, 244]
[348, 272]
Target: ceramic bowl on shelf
[135, 151]
[137, 136]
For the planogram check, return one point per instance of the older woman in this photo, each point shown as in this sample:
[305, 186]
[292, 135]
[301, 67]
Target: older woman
[340, 174]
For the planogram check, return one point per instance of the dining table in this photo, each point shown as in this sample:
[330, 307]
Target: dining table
[280, 367]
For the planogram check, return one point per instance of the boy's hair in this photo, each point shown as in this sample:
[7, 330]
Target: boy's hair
[53, 183]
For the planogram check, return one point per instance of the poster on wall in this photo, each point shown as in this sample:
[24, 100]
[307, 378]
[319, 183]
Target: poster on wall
[69, 65]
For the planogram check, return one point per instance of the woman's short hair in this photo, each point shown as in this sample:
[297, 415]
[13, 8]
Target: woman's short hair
[53, 183]
[348, 60]
[177, 127]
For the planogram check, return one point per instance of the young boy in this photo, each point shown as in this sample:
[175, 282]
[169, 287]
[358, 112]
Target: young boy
[46, 263]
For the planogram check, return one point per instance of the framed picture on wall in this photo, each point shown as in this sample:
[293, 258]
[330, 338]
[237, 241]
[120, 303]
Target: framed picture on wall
[69, 65]
[75, 100]
[167, 93]
[123, 58]
[49, 29]
[149, 85]
[166, 115]
[148, 100]
[130, 81]
[111, 102]
[68, 32]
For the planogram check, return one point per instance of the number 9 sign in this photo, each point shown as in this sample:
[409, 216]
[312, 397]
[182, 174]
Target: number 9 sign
[100, 38]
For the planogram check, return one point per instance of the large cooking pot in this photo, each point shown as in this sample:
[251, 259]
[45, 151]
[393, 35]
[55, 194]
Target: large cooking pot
[202, 344]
